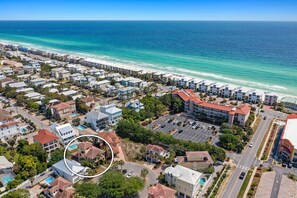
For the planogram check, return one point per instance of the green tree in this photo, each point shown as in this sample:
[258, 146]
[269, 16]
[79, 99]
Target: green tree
[230, 142]
[35, 150]
[19, 193]
[12, 184]
[87, 189]
[144, 173]
[58, 155]
[81, 107]
[121, 163]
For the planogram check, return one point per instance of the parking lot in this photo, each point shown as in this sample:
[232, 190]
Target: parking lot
[182, 127]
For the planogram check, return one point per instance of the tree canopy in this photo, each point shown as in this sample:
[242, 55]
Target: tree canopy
[19, 193]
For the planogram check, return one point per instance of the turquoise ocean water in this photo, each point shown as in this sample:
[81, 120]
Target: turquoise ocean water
[260, 55]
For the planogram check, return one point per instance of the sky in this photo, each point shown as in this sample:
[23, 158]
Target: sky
[250, 10]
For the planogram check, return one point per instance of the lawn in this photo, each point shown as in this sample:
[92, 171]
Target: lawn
[264, 139]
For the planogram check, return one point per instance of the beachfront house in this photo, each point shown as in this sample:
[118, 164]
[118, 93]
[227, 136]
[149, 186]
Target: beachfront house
[255, 96]
[114, 113]
[185, 180]
[215, 88]
[47, 139]
[97, 120]
[184, 82]
[194, 84]
[227, 91]
[270, 98]
[204, 86]
[65, 132]
[241, 93]
[61, 170]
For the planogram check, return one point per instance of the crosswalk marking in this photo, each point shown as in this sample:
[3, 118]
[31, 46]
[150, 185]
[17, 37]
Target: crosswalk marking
[243, 167]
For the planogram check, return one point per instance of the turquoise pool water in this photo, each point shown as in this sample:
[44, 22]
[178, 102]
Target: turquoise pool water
[81, 127]
[72, 147]
[49, 180]
[23, 130]
[74, 115]
[202, 181]
[5, 179]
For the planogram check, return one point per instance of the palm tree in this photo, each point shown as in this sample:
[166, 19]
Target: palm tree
[144, 173]
[121, 163]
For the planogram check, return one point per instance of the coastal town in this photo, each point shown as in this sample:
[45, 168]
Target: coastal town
[165, 135]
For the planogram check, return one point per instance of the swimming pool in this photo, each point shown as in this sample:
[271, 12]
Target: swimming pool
[72, 147]
[81, 127]
[74, 115]
[5, 179]
[49, 180]
[23, 130]
[202, 181]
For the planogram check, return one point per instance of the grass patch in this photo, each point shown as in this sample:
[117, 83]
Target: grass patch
[257, 122]
[256, 181]
[270, 142]
[264, 139]
[245, 183]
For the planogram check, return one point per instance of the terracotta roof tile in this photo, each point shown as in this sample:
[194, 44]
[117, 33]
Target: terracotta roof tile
[45, 136]
[161, 191]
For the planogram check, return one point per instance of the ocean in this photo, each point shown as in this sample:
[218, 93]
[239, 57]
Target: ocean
[261, 55]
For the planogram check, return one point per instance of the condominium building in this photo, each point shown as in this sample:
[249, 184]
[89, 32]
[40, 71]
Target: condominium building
[214, 112]
[270, 98]
[255, 96]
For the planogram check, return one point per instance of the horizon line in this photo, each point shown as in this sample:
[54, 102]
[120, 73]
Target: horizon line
[160, 20]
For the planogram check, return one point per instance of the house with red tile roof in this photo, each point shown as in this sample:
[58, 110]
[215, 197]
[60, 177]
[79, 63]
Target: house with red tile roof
[59, 188]
[112, 138]
[195, 160]
[161, 191]
[154, 152]
[63, 110]
[211, 111]
[88, 101]
[47, 139]
[86, 150]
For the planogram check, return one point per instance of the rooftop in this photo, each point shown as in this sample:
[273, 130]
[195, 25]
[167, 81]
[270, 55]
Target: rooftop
[45, 136]
[291, 129]
[185, 174]
[161, 191]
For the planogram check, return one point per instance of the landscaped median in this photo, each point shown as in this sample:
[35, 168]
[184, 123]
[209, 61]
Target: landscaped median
[245, 183]
[263, 142]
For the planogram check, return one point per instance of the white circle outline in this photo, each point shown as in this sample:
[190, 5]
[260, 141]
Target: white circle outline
[86, 176]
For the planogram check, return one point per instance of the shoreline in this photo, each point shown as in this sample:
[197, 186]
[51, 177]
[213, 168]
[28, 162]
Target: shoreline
[132, 65]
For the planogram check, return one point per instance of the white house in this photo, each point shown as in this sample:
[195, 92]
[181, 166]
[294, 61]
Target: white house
[34, 96]
[184, 82]
[114, 113]
[241, 93]
[61, 170]
[204, 86]
[65, 132]
[155, 149]
[185, 180]
[270, 98]
[227, 91]
[194, 84]
[215, 88]
[255, 96]
[5, 165]
[8, 126]
[97, 120]
[135, 105]
[17, 85]
[38, 81]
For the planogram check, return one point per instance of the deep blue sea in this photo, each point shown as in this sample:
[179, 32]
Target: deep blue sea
[260, 55]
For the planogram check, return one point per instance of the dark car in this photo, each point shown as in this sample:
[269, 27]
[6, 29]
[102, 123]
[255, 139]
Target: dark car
[242, 174]
[163, 126]
[264, 118]
[124, 171]
[194, 123]
[284, 164]
[179, 123]
[180, 131]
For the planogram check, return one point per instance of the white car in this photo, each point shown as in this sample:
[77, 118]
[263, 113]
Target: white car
[251, 144]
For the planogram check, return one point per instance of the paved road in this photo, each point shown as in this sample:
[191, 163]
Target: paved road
[247, 159]
[39, 124]
[136, 169]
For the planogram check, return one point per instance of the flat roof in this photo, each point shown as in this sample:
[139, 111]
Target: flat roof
[290, 130]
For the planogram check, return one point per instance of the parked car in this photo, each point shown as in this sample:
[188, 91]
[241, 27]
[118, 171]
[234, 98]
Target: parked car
[251, 145]
[180, 131]
[242, 174]
[284, 164]
[264, 118]
[163, 126]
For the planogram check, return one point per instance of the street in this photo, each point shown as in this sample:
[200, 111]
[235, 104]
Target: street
[247, 159]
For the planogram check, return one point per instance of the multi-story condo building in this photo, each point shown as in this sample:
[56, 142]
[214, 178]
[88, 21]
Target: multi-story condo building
[204, 86]
[184, 82]
[241, 93]
[185, 180]
[215, 88]
[47, 139]
[214, 112]
[288, 145]
[194, 84]
[227, 91]
[255, 96]
[270, 98]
